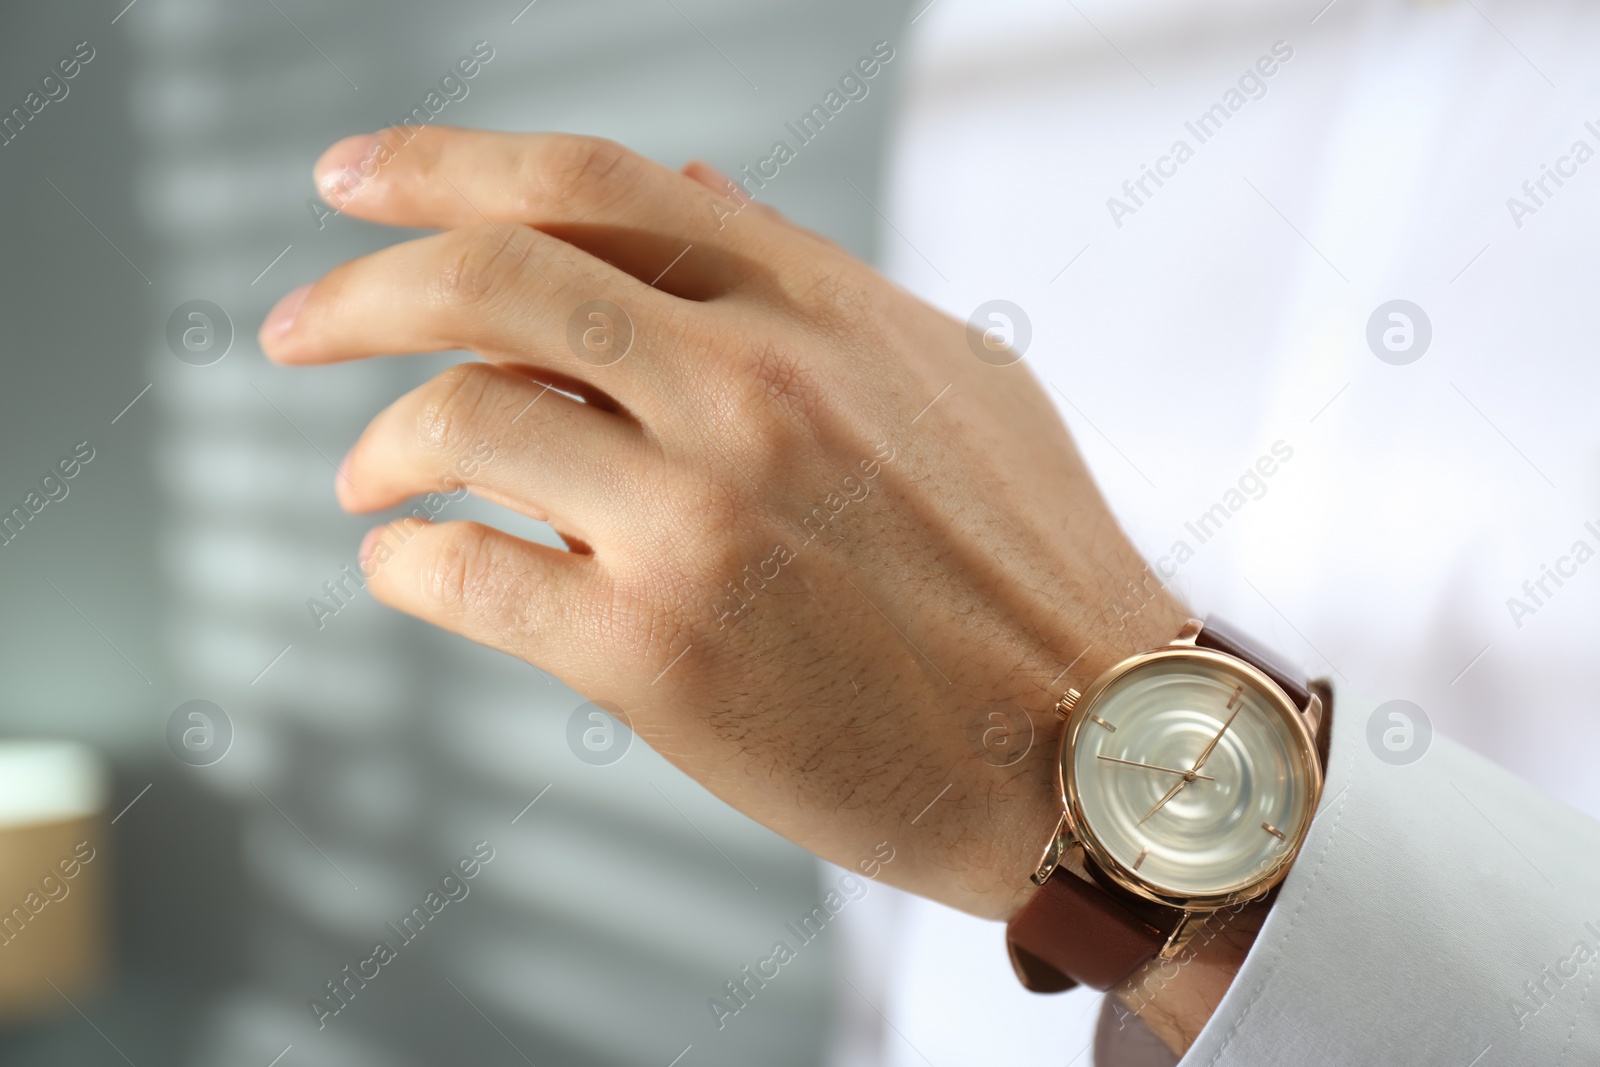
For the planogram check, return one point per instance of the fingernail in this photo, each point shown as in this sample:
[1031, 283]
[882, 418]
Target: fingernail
[716, 172]
[283, 313]
[717, 177]
[346, 167]
[365, 551]
[342, 479]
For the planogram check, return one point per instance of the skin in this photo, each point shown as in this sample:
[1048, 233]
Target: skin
[813, 538]
[1175, 998]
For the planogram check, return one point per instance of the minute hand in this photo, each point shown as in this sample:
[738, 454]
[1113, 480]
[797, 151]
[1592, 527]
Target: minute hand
[1194, 772]
[1153, 767]
[1207, 753]
[1179, 784]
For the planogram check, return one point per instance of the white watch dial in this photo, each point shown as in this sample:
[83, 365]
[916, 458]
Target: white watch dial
[1190, 776]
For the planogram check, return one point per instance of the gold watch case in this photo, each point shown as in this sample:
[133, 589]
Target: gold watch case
[1075, 830]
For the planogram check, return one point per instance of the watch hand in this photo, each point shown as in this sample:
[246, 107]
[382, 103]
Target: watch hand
[1153, 767]
[1194, 772]
[1206, 754]
[1162, 802]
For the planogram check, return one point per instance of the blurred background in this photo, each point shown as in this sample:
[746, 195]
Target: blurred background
[371, 753]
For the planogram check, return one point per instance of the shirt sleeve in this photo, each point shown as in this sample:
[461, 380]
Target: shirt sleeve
[1441, 911]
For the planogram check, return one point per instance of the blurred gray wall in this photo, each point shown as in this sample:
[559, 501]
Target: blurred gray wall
[370, 754]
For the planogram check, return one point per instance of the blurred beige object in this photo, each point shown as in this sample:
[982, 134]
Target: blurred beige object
[53, 875]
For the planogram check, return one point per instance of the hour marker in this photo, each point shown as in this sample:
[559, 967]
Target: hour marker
[1102, 722]
[1142, 854]
[1274, 831]
[1238, 691]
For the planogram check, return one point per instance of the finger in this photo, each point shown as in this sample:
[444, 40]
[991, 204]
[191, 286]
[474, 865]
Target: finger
[508, 293]
[648, 220]
[511, 439]
[523, 598]
[713, 179]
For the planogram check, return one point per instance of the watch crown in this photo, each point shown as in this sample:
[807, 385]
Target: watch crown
[1068, 701]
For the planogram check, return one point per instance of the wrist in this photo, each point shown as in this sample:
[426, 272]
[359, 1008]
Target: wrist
[971, 827]
[1024, 799]
[1175, 998]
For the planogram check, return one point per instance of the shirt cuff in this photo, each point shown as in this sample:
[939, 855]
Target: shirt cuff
[1441, 911]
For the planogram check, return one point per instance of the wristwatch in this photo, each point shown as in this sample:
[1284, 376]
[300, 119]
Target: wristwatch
[1189, 776]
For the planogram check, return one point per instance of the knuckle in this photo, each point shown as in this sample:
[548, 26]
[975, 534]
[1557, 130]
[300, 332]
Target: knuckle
[452, 407]
[722, 526]
[470, 573]
[456, 566]
[838, 302]
[779, 379]
[482, 269]
[467, 573]
[576, 171]
[773, 405]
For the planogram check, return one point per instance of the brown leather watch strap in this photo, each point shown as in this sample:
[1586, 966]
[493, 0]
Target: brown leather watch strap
[1107, 941]
[1218, 635]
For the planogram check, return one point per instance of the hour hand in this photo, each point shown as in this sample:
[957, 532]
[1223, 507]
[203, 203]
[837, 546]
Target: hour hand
[1181, 782]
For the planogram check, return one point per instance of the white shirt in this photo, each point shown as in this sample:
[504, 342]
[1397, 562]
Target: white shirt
[1189, 326]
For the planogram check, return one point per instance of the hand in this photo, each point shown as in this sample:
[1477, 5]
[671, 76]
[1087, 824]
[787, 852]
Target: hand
[812, 537]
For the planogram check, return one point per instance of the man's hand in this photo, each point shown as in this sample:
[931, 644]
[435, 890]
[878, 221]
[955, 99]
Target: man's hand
[814, 539]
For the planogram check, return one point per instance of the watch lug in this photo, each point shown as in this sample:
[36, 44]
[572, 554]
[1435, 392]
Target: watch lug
[1179, 937]
[1190, 631]
[1313, 714]
[1050, 859]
